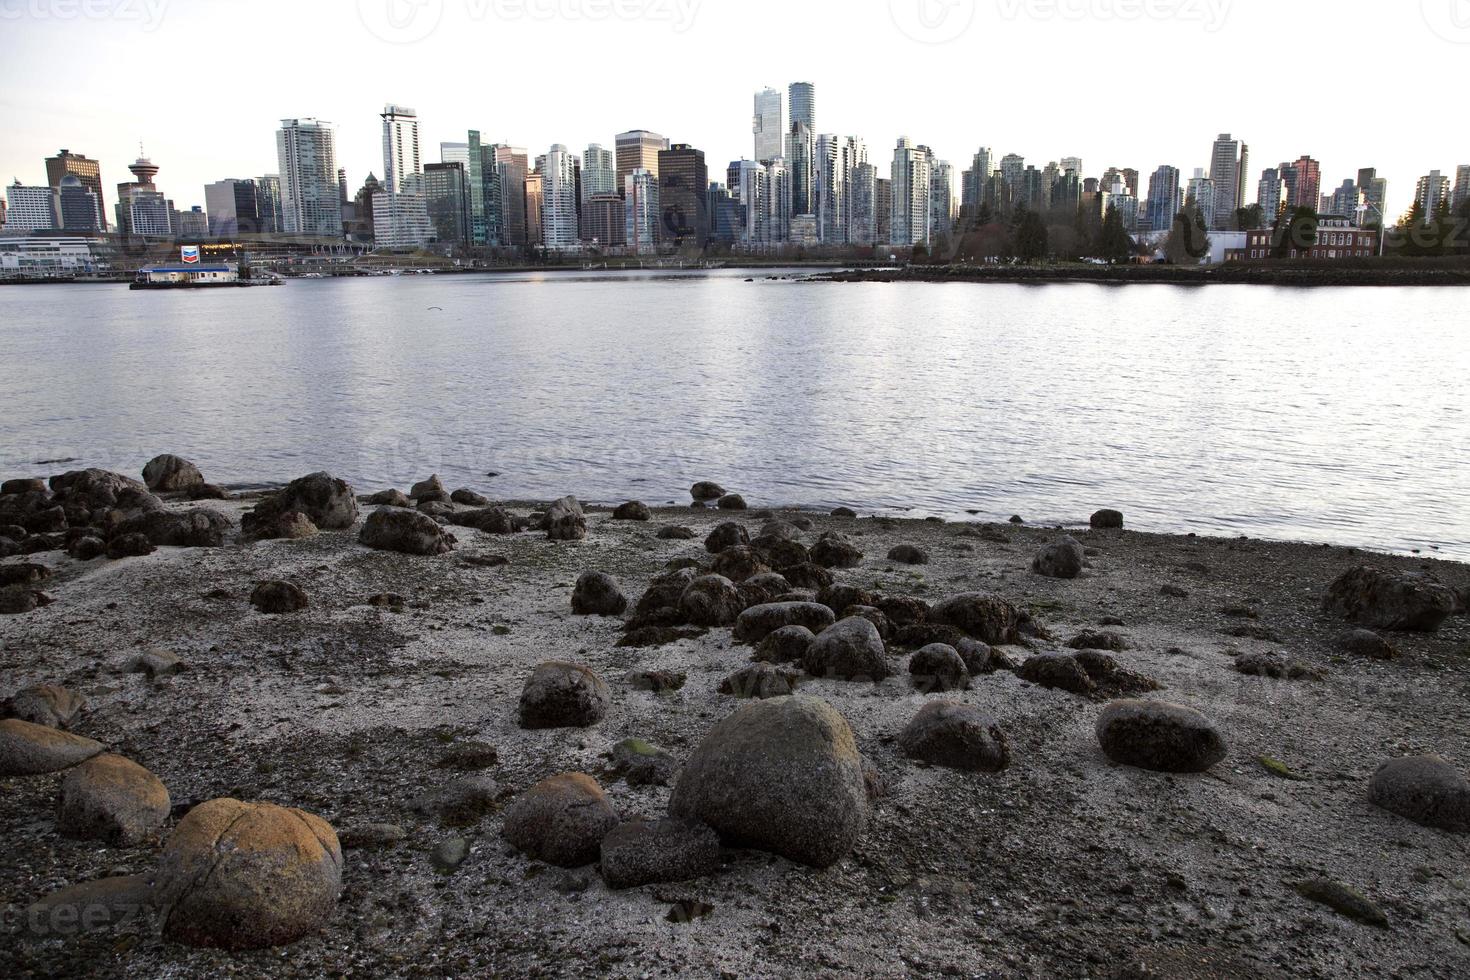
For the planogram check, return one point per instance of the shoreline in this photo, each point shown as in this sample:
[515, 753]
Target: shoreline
[1294, 275]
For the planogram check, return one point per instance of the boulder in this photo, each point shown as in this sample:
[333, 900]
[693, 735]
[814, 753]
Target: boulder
[22, 485]
[469, 498]
[873, 615]
[1159, 736]
[17, 600]
[561, 820]
[633, 510]
[808, 576]
[565, 521]
[200, 528]
[464, 802]
[839, 598]
[984, 617]
[775, 530]
[94, 489]
[711, 600]
[731, 501]
[980, 658]
[390, 498]
[1426, 789]
[836, 551]
[291, 525]
[34, 750]
[242, 876]
[130, 546]
[328, 501]
[439, 510]
[643, 764]
[1062, 559]
[112, 799]
[850, 650]
[596, 594]
[562, 695]
[762, 589]
[907, 554]
[48, 521]
[157, 663]
[728, 535]
[26, 573]
[651, 852]
[207, 491]
[759, 622]
[956, 736]
[705, 492]
[1379, 599]
[761, 681]
[170, 474]
[781, 552]
[675, 532]
[47, 704]
[406, 532]
[739, 563]
[1058, 671]
[783, 776]
[87, 548]
[659, 604]
[1368, 644]
[938, 668]
[1107, 520]
[428, 490]
[787, 645]
[1099, 640]
[488, 520]
[278, 598]
[845, 512]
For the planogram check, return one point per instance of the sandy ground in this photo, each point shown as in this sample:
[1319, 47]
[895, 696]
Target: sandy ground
[1062, 866]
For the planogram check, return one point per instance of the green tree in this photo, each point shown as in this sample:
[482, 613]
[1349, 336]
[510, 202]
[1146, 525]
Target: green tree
[1250, 218]
[1297, 232]
[1030, 237]
[1115, 244]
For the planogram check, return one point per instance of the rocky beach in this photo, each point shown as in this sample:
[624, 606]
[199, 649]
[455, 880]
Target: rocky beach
[335, 730]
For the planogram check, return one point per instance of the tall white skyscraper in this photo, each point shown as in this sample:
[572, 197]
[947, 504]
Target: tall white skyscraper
[599, 172]
[769, 125]
[803, 105]
[401, 210]
[641, 211]
[311, 202]
[777, 203]
[1228, 164]
[455, 153]
[941, 198]
[1462, 187]
[909, 224]
[559, 200]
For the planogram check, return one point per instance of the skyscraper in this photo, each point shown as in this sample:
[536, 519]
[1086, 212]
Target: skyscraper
[535, 192]
[638, 149]
[447, 196]
[30, 209]
[599, 171]
[941, 199]
[268, 196]
[401, 211]
[801, 152]
[1302, 182]
[141, 207]
[1012, 171]
[1163, 198]
[830, 182]
[512, 168]
[683, 196]
[87, 170]
[232, 207]
[310, 202]
[863, 226]
[560, 228]
[802, 100]
[777, 202]
[641, 211]
[909, 224]
[1228, 164]
[1433, 194]
[1270, 195]
[748, 185]
[1462, 188]
[455, 153]
[483, 179]
[1202, 194]
[1375, 194]
[769, 125]
[76, 204]
[1345, 201]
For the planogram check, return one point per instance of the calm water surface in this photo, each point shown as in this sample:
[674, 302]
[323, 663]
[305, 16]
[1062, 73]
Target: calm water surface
[1332, 415]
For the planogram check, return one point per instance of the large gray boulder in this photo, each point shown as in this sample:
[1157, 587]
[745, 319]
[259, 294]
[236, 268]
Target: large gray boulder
[1060, 559]
[956, 736]
[1379, 599]
[565, 520]
[852, 650]
[783, 776]
[729, 535]
[938, 667]
[1159, 736]
[984, 617]
[836, 551]
[651, 852]
[328, 501]
[242, 876]
[406, 532]
[562, 695]
[711, 600]
[171, 474]
[787, 645]
[597, 594]
[33, 750]
[112, 799]
[561, 820]
[95, 490]
[1426, 789]
[759, 622]
[199, 528]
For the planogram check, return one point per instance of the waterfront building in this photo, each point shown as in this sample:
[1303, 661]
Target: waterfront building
[482, 177]
[447, 195]
[1345, 201]
[232, 207]
[863, 226]
[1462, 188]
[311, 201]
[78, 207]
[909, 224]
[29, 209]
[401, 210]
[268, 196]
[66, 163]
[535, 194]
[1375, 195]
[1270, 195]
[141, 207]
[1433, 194]
[49, 256]
[641, 211]
[883, 210]
[1201, 194]
[727, 216]
[599, 171]
[802, 102]
[1302, 183]
[1338, 238]
[683, 191]
[941, 199]
[512, 168]
[1229, 162]
[1013, 173]
[777, 202]
[193, 223]
[801, 154]
[748, 185]
[560, 228]
[769, 125]
[604, 221]
[1164, 199]
[638, 149]
[804, 231]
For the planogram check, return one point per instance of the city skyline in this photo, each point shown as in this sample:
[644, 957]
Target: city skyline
[1043, 59]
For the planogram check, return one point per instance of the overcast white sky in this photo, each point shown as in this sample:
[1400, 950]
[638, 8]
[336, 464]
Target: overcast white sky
[1131, 83]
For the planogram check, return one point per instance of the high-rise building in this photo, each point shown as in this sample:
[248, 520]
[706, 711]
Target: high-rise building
[560, 226]
[1375, 195]
[1012, 171]
[455, 153]
[863, 225]
[193, 223]
[1462, 188]
[268, 196]
[883, 209]
[447, 195]
[638, 149]
[232, 207]
[310, 201]
[512, 167]
[1071, 163]
[769, 125]
[401, 211]
[727, 217]
[801, 153]
[831, 181]
[141, 207]
[1201, 195]
[683, 196]
[802, 102]
[87, 170]
[1164, 201]
[535, 202]
[1302, 183]
[604, 221]
[1228, 164]
[748, 186]
[482, 176]
[641, 211]
[777, 202]
[29, 209]
[1345, 201]
[941, 199]
[909, 224]
[77, 205]
[1433, 194]
[1270, 195]
[599, 171]
[357, 217]
[982, 165]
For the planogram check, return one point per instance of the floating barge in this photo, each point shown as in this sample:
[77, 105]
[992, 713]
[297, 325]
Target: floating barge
[194, 276]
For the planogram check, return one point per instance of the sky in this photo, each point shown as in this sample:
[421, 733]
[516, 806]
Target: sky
[203, 84]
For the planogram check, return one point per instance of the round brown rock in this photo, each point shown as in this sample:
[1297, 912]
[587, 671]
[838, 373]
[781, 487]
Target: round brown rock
[956, 736]
[711, 600]
[562, 695]
[112, 799]
[33, 750]
[244, 876]
[759, 622]
[561, 820]
[278, 598]
[851, 650]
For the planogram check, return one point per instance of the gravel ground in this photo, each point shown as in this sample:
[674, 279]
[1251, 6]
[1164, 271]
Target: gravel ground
[1064, 865]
